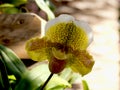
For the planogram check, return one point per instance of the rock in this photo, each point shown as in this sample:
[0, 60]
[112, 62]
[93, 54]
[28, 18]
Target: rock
[16, 29]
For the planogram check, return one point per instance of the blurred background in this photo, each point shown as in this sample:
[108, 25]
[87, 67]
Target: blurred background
[104, 18]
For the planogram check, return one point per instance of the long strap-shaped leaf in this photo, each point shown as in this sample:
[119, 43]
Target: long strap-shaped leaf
[44, 7]
[4, 83]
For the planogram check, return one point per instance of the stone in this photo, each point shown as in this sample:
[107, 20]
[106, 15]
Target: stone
[16, 29]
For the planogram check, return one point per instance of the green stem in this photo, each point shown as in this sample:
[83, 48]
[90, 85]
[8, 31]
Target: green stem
[50, 76]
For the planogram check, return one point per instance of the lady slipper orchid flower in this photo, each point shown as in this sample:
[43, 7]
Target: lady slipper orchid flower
[63, 45]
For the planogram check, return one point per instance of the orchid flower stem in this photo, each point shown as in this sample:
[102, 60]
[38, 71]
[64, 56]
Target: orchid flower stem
[50, 76]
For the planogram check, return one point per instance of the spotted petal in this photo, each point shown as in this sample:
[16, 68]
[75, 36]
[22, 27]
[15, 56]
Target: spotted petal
[36, 49]
[81, 62]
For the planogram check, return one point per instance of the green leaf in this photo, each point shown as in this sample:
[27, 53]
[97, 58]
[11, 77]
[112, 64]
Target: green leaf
[69, 75]
[12, 77]
[9, 65]
[11, 10]
[12, 61]
[15, 2]
[85, 85]
[44, 7]
[28, 82]
[18, 2]
[57, 83]
[3, 73]
[8, 9]
[6, 5]
[42, 73]
[66, 74]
